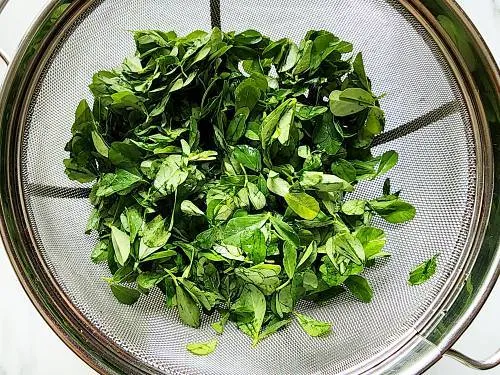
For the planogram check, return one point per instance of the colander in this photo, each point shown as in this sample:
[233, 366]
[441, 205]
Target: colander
[443, 118]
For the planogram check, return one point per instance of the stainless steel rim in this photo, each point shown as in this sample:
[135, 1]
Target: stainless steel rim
[432, 338]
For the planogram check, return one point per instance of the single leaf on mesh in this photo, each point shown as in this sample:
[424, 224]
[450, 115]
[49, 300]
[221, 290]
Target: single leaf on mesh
[202, 348]
[423, 272]
[312, 326]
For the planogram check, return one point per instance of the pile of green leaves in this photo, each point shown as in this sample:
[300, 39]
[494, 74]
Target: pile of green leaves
[220, 165]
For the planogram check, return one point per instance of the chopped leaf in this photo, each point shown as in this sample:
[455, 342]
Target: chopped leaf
[424, 271]
[313, 327]
[202, 348]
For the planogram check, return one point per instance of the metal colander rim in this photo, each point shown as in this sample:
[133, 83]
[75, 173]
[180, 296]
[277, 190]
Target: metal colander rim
[64, 306]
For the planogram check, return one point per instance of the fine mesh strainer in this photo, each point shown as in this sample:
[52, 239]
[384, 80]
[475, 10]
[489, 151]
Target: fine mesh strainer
[442, 113]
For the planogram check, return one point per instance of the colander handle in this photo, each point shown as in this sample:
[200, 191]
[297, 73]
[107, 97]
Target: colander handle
[4, 57]
[485, 364]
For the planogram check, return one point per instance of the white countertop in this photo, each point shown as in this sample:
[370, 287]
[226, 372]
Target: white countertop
[27, 344]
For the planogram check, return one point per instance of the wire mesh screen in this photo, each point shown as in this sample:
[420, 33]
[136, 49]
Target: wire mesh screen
[427, 124]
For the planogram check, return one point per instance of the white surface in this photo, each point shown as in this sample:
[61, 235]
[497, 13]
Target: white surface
[27, 344]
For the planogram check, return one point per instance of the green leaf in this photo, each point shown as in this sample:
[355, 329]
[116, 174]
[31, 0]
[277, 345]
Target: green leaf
[272, 327]
[289, 258]
[248, 156]
[331, 275]
[76, 172]
[304, 60]
[309, 254]
[393, 209]
[202, 54]
[135, 222]
[189, 312]
[313, 327]
[93, 221]
[344, 170]
[240, 226]
[257, 198]
[277, 185]
[263, 276]
[119, 182]
[237, 126]
[247, 94]
[190, 209]
[350, 101]
[202, 348]
[148, 280]
[424, 271]
[221, 324]
[248, 37]
[310, 280]
[100, 252]
[99, 144]
[83, 115]
[121, 244]
[388, 160]
[359, 70]
[282, 132]
[270, 123]
[285, 231]
[145, 251]
[155, 233]
[354, 207]
[303, 205]
[374, 125]
[328, 135]
[347, 245]
[291, 58]
[206, 299]
[160, 255]
[359, 287]
[170, 175]
[372, 239]
[324, 182]
[230, 251]
[306, 112]
[254, 245]
[127, 296]
[249, 311]
[284, 301]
